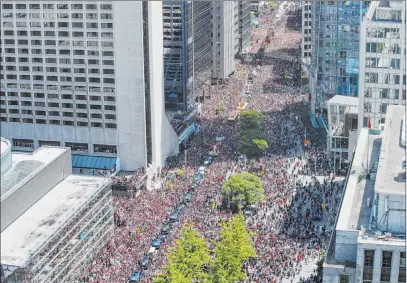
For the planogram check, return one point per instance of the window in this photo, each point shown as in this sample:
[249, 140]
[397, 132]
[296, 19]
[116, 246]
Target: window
[28, 121]
[383, 108]
[343, 278]
[49, 143]
[39, 104]
[96, 125]
[82, 115]
[39, 95]
[23, 143]
[110, 107]
[110, 126]
[110, 116]
[54, 122]
[82, 124]
[96, 116]
[26, 112]
[40, 121]
[368, 266]
[95, 106]
[68, 123]
[104, 148]
[77, 146]
[25, 94]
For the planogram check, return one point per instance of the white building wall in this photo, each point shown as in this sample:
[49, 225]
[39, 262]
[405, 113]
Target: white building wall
[224, 38]
[395, 222]
[130, 84]
[164, 138]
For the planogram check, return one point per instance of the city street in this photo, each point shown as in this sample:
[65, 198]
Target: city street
[296, 181]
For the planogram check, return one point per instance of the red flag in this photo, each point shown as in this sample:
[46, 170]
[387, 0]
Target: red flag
[369, 124]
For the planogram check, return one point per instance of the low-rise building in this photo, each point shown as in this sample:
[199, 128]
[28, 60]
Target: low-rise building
[53, 222]
[368, 244]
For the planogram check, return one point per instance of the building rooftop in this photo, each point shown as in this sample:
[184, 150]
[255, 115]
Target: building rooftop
[390, 175]
[25, 166]
[344, 100]
[354, 211]
[41, 221]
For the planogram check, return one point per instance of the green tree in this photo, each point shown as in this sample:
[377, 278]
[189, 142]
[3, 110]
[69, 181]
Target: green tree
[251, 119]
[252, 143]
[271, 4]
[243, 189]
[235, 246]
[320, 267]
[186, 262]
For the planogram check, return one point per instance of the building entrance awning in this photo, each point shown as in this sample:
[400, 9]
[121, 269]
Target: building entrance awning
[93, 162]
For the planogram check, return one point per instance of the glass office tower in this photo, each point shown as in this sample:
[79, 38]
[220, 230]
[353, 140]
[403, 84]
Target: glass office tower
[335, 50]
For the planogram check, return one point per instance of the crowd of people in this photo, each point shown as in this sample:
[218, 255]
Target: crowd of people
[293, 223]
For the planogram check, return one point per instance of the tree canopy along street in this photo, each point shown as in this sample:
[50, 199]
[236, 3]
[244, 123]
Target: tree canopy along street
[253, 202]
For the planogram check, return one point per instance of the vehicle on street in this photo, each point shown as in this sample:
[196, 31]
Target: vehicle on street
[135, 276]
[156, 243]
[174, 217]
[145, 261]
[165, 228]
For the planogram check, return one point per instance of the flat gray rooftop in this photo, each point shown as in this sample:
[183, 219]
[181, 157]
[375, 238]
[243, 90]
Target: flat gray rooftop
[354, 211]
[344, 100]
[390, 175]
[27, 165]
[42, 220]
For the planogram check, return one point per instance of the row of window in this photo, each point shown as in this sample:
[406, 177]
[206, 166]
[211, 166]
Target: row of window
[387, 78]
[386, 264]
[51, 33]
[56, 105]
[61, 70]
[58, 6]
[62, 88]
[57, 114]
[26, 51]
[67, 61]
[58, 122]
[103, 148]
[56, 96]
[60, 79]
[36, 42]
[53, 25]
[7, 21]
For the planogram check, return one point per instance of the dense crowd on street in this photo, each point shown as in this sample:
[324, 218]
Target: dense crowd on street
[292, 225]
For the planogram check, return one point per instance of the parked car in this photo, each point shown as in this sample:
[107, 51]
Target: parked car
[165, 229]
[174, 217]
[145, 261]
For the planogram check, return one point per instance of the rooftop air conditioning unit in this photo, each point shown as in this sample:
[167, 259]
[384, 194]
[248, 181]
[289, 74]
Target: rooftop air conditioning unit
[368, 202]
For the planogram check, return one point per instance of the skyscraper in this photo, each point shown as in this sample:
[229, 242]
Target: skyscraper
[335, 37]
[382, 76]
[244, 26]
[86, 75]
[187, 52]
[224, 29]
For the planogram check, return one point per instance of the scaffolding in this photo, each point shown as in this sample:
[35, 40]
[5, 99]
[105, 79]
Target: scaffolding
[335, 50]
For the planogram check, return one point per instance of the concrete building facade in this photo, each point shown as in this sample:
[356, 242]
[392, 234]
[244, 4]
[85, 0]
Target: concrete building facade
[224, 28]
[369, 241]
[382, 75]
[79, 74]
